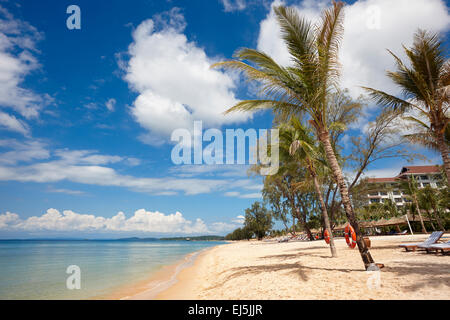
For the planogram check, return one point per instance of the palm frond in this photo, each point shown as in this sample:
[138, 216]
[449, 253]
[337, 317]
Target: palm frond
[390, 101]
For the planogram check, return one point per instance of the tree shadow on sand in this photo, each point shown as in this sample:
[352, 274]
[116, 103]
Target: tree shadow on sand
[434, 275]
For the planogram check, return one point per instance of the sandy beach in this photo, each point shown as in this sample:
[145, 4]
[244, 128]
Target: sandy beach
[305, 270]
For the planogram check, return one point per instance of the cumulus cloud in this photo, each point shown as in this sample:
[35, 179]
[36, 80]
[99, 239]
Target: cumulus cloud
[371, 27]
[239, 219]
[17, 60]
[141, 221]
[173, 78]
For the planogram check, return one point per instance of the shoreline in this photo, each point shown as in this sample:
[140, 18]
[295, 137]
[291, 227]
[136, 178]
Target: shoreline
[159, 281]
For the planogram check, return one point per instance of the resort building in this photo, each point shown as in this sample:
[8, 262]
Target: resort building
[382, 189]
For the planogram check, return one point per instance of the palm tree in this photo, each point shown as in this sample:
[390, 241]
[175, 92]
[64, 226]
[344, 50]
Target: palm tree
[430, 200]
[296, 141]
[425, 86]
[411, 188]
[304, 88]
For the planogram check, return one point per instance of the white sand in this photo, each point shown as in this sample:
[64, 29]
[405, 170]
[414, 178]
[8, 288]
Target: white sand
[305, 270]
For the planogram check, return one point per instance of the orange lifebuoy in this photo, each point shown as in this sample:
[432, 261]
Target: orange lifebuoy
[326, 236]
[317, 236]
[350, 236]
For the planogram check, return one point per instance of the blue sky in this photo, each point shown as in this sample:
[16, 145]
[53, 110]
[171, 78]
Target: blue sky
[86, 115]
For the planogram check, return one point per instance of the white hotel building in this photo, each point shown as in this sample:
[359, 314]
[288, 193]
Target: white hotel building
[388, 188]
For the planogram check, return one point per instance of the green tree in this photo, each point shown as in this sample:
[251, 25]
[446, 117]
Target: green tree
[411, 188]
[297, 144]
[425, 89]
[429, 198]
[304, 88]
[258, 220]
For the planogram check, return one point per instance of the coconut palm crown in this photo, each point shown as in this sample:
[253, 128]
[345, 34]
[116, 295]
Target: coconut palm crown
[303, 88]
[426, 92]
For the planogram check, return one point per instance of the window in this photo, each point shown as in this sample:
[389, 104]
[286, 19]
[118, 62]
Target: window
[374, 200]
[373, 194]
[406, 200]
[383, 193]
[396, 192]
[398, 199]
[425, 184]
[423, 177]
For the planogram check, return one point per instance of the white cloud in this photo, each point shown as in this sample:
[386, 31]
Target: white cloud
[141, 221]
[90, 167]
[363, 52]
[17, 60]
[233, 5]
[236, 194]
[111, 104]
[239, 219]
[255, 195]
[174, 80]
[65, 191]
[222, 170]
[22, 151]
[11, 123]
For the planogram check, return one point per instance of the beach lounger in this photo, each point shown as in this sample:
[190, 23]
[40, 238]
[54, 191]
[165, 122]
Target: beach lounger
[432, 239]
[443, 247]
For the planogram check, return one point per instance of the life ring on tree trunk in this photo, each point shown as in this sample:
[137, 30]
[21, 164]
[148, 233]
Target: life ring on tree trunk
[350, 236]
[326, 236]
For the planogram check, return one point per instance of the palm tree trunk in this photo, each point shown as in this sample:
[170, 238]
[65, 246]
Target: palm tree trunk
[323, 208]
[431, 219]
[324, 137]
[307, 229]
[443, 148]
[420, 215]
[438, 219]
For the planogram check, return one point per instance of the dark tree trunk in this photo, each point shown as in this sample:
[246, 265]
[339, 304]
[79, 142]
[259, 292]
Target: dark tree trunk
[305, 225]
[443, 148]
[438, 219]
[323, 208]
[339, 177]
[424, 230]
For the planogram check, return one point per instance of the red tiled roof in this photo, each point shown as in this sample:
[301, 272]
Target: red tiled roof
[420, 169]
[375, 180]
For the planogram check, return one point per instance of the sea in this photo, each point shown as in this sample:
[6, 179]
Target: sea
[54, 269]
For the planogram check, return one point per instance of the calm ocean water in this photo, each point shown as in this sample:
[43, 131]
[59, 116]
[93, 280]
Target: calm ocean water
[37, 269]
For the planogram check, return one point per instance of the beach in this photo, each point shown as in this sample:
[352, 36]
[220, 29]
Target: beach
[258, 270]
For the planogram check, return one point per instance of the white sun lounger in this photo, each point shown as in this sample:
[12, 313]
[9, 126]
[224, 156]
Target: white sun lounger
[432, 239]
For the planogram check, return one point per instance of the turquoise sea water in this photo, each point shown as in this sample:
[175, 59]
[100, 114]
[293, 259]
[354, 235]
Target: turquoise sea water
[37, 269]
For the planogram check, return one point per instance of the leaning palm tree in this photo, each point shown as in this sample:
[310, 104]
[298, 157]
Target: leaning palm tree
[426, 89]
[304, 88]
[296, 142]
